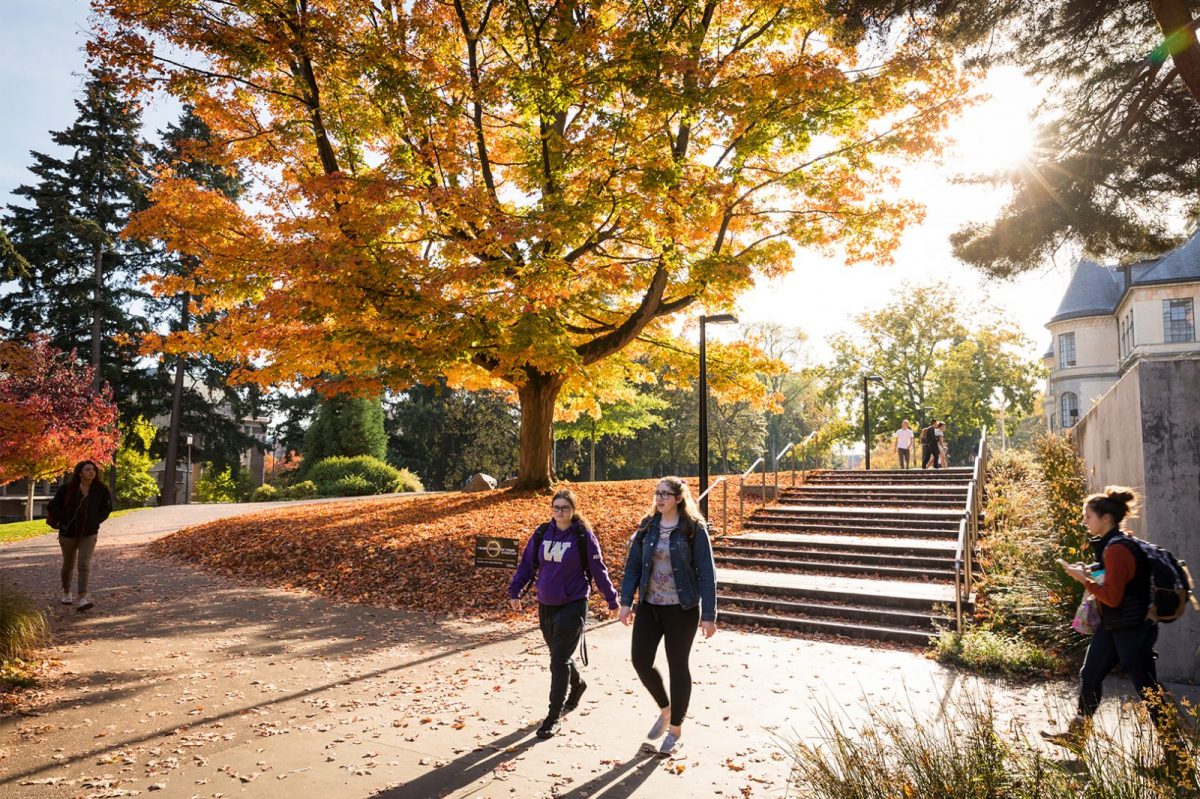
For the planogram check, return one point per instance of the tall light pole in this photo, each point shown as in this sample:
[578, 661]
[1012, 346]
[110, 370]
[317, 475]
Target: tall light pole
[867, 418]
[187, 476]
[715, 319]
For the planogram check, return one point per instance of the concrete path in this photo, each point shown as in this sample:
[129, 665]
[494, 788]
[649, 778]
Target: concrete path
[186, 684]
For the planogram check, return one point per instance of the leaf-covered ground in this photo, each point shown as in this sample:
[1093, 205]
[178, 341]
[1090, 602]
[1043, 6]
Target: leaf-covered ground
[412, 553]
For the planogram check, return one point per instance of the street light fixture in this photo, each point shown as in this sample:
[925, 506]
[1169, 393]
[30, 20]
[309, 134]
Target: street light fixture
[187, 476]
[867, 418]
[715, 319]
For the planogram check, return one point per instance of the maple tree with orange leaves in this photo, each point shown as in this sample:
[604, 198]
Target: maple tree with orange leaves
[518, 195]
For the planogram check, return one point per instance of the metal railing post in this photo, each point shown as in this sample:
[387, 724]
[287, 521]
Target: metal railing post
[725, 503]
[764, 480]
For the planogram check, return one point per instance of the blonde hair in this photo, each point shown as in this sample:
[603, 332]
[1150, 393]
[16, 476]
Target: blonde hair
[689, 511]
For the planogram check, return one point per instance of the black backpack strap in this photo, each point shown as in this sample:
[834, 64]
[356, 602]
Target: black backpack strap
[581, 542]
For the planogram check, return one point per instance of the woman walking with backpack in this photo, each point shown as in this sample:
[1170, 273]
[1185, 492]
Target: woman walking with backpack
[563, 556]
[76, 511]
[1120, 582]
[670, 566]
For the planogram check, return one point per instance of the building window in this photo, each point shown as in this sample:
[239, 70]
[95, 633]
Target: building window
[1126, 334]
[1069, 406]
[1179, 321]
[1066, 350]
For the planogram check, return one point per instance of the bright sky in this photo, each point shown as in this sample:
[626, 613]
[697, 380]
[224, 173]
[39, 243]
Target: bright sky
[41, 68]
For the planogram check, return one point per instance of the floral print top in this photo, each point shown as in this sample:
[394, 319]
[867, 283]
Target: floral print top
[662, 574]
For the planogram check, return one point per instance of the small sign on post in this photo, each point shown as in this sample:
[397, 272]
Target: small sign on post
[496, 553]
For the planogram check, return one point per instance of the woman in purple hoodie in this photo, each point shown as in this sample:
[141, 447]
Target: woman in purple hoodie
[563, 556]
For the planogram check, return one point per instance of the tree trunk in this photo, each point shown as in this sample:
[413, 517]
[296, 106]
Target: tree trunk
[171, 464]
[1175, 19]
[97, 291]
[592, 459]
[29, 500]
[537, 396]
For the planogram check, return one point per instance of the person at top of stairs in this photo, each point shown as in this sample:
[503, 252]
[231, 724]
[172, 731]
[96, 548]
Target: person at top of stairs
[929, 445]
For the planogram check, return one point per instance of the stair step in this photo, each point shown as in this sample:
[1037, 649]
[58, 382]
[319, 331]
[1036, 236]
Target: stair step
[853, 510]
[888, 617]
[797, 566]
[876, 502]
[842, 590]
[811, 626]
[895, 488]
[866, 557]
[803, 526]
[887, 545]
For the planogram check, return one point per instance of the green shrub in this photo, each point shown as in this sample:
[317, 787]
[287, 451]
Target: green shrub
[407, 481]
[22, 628]
[352, 485]
[136, 487]
[330, 476]
[994, 653]
[1033, 510]
[305, 489]
[217, 485]
[265, 493]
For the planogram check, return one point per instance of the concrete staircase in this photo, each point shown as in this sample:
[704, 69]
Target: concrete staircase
[863, 554]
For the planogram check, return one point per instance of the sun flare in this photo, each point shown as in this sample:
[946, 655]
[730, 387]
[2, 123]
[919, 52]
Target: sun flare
[997, 134]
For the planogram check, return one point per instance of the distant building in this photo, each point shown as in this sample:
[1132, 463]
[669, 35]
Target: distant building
[1111, 318]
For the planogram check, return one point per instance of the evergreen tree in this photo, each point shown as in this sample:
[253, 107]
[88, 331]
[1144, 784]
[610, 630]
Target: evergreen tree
[446, 435]
[80, 285]
[197, 404]
[348, 426]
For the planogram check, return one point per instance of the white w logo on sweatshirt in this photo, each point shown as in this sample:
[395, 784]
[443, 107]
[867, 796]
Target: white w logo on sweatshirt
[554, 550]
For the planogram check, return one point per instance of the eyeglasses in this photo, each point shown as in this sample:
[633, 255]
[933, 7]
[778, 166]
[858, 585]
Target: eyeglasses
[664, 494]
[561, 508]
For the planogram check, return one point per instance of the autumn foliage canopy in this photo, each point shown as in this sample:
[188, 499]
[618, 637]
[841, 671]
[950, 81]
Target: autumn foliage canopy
[50, 417]
[517, 195]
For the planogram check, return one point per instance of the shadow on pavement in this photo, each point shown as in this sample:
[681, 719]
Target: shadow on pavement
[621, 781]
[465, 770]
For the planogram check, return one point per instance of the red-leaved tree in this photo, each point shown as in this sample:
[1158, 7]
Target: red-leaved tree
[50, 417]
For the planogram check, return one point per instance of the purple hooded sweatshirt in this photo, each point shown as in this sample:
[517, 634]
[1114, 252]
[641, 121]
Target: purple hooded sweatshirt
[560, 575]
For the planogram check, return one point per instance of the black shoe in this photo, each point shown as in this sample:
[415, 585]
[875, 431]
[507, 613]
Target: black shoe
[574, 697]
[549, 728]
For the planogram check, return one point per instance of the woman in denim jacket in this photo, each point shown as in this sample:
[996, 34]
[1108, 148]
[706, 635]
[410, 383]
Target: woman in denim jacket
[670, 566]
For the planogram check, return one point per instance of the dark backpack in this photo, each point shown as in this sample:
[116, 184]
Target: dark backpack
[929, 437]
[1170, 580]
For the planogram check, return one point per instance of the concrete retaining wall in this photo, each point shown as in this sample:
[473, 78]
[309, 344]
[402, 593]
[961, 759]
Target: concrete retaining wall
[1146, 433]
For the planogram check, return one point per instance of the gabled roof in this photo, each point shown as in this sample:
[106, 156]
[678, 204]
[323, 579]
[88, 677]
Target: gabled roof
[1093, 291]
[1180, 264]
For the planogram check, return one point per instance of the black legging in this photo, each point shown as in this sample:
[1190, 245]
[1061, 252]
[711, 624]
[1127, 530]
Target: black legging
[1134, 651]
[562, 625]
[654, 623]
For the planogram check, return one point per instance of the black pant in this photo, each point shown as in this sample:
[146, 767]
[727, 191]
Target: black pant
[1134, 650]
[903, 453]
[930, 452]
[654, 623]
[562, 626]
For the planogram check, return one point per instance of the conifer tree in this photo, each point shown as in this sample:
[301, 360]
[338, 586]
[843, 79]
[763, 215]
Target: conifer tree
[79, 282]
[347, 426]
[187, 151]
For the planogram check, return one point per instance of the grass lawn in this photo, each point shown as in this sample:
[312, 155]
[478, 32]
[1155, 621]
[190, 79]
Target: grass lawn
[15, 531]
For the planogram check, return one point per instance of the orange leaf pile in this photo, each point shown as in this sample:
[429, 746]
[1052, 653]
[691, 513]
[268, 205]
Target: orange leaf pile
[407, 553]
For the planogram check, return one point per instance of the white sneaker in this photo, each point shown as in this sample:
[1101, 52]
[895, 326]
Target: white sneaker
[84, 604]
[67, 599]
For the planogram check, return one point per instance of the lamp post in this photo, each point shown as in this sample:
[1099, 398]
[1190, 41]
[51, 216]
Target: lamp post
[715, 319]
[187, 476]
[867, 418]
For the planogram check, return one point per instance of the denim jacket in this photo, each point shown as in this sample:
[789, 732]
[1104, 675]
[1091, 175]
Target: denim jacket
[692, 563]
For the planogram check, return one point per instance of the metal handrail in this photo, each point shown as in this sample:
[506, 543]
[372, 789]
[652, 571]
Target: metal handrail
[724, 502]
[968, 530]
[742, 486]
[775, 465]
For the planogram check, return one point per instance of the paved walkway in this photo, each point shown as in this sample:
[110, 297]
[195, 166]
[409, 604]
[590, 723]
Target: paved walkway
[190, 685]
